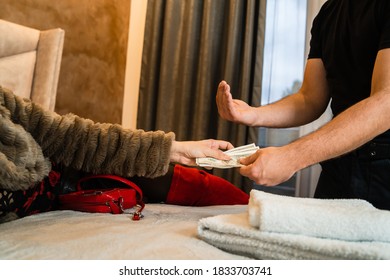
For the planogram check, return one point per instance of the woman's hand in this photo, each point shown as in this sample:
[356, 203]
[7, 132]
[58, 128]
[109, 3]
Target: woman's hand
[186, 152]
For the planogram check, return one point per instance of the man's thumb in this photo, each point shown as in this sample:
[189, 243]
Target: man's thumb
[249, 159]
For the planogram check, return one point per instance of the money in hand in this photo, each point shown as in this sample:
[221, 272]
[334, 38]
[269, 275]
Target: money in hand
[235, 154]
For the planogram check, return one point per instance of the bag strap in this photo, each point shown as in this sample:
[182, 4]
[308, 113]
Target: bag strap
[137, 214]
[112, 177]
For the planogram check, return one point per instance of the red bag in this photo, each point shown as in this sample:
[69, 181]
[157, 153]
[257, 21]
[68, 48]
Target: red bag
[120, 194]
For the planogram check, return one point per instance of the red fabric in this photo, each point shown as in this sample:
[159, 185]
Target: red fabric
[193, 187]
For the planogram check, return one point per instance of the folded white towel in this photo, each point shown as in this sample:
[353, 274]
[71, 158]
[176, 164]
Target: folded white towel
[234, 234]
[344, 219]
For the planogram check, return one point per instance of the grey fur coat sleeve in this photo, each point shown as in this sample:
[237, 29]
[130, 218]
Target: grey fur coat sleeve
[93, 147]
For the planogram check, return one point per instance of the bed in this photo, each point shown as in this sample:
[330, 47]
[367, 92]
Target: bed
[270, 227]
[166, 232]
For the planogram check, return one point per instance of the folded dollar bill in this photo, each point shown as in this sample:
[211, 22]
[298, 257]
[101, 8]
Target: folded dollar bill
[235, 154]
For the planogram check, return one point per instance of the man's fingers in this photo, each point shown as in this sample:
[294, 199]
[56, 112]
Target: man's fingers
[249, 159]
[224, 99]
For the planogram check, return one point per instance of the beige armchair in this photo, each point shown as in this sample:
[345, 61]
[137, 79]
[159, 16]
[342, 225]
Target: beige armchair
[30, 61]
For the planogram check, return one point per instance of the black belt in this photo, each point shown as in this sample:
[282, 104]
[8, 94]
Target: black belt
[373, 151]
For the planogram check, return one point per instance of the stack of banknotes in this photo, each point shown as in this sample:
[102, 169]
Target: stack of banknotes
[235, 154]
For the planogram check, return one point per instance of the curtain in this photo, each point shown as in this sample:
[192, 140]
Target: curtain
[189, 47]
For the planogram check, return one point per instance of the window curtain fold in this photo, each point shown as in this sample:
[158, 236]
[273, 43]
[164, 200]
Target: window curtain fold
[189, 47]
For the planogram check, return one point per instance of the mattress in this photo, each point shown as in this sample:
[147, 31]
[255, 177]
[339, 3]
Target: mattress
[167, 232]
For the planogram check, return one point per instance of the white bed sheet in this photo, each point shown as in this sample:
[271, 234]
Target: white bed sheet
[167, 232]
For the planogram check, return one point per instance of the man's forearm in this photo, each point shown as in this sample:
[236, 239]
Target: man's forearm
[291, 111]
[348, 131]
[300, 108]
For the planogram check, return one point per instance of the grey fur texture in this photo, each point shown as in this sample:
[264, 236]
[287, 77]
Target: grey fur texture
[22, 162]
[76, 142]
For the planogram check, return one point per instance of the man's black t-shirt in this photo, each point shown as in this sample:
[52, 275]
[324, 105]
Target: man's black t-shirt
[347, 35]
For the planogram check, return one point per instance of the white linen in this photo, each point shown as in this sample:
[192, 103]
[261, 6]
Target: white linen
[248, 235]
[345, 219]
[234, 234]
[166, 232]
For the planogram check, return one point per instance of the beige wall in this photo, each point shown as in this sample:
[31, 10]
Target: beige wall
[92, 74]
[134, 61]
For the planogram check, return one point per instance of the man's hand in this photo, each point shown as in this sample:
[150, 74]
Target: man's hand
[269, 166]
[233, 109]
